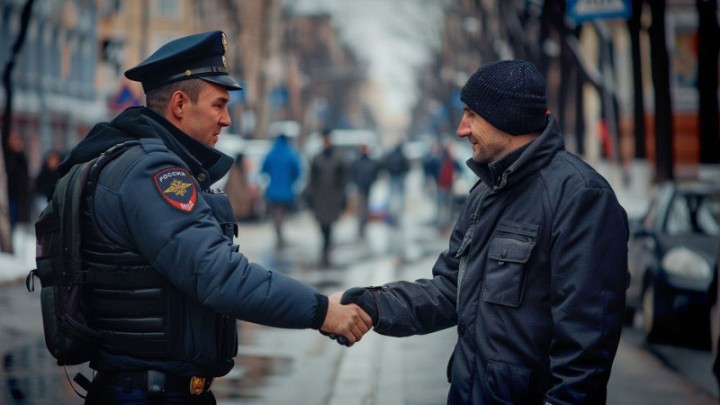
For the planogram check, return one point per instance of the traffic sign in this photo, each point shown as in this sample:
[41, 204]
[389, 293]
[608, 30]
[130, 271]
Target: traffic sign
[585, 10]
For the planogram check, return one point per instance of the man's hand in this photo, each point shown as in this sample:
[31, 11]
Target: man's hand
[345, 321]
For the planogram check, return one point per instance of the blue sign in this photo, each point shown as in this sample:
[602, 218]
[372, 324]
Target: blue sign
[586, 10]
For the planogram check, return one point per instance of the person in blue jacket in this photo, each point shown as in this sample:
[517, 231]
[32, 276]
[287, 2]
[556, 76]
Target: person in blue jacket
[535, 273]
[165, 283]
[283, 167]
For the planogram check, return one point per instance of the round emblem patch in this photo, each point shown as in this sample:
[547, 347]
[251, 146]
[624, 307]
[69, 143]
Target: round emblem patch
[177, 188]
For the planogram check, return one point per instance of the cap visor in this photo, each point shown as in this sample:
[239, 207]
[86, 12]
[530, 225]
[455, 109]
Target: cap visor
[223, 80]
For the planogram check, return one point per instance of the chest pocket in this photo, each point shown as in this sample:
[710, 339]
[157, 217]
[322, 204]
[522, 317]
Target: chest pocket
[223, 213]
[506, 267]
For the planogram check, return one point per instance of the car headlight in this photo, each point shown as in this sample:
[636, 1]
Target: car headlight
[681, 261]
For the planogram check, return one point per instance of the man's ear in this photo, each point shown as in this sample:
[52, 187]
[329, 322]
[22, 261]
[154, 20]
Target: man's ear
[177, 103]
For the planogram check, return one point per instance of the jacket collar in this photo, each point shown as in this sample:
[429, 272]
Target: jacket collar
[207, 164]
[523, 161]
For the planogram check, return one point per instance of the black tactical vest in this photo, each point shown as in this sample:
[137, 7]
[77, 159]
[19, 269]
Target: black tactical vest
[136, 310]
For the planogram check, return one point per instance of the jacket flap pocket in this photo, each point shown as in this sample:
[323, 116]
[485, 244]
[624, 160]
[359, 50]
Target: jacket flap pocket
[510, 250]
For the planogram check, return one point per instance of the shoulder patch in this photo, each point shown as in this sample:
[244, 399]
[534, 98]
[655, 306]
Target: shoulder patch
[177, 188]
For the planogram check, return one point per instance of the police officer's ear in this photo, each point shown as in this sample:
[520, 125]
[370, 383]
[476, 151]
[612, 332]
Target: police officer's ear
[177, 104]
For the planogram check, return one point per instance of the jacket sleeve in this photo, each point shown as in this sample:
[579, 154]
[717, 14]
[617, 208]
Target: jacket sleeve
[589, 277]
[190, 250]
[426, 305]
[416, 308]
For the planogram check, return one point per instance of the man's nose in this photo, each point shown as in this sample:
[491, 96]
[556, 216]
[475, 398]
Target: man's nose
[463, 129]
[225, 120]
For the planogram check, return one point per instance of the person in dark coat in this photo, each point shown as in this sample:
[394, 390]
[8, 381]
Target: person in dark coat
[365, 170]
[329, 176]
[165, 281]
[535, 273]
[44, 184]
[397, 166]
[18, 179]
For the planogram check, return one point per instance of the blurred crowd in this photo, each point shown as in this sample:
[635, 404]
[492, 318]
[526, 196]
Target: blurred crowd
[27, 195]
[332, 182]
[340, 179]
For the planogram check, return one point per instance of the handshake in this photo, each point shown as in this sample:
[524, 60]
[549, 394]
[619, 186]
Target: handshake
[345, 322]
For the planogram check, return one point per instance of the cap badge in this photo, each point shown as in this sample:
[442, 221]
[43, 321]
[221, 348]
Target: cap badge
[177, 188]
[188, 72]
[224, 43]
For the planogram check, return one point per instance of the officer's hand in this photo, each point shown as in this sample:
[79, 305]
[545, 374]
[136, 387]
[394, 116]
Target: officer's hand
[345, 321]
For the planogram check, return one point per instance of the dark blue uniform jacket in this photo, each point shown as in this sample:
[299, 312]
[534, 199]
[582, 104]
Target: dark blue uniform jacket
[142, 213]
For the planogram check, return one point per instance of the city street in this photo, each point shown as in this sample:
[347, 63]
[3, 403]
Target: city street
[276, 366]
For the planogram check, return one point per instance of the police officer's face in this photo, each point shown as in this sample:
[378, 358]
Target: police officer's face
[205, 119]
[488, 143]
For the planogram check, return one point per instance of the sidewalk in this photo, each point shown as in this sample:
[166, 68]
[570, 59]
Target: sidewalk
[387, 370]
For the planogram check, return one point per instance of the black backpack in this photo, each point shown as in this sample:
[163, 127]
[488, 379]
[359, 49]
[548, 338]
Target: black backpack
[68, 336]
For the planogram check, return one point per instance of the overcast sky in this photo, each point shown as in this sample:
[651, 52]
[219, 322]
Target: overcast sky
[392, 36]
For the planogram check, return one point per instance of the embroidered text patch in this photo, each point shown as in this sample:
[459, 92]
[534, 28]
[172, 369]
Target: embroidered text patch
[177, 188]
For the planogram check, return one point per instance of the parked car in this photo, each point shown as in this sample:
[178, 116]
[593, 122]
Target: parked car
[714, 293]
[671, 258]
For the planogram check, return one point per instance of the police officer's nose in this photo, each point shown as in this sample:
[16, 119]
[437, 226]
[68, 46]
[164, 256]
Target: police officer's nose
[225, 120]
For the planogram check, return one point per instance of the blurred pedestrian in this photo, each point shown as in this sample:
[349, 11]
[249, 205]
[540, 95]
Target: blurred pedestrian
[431, 168]
[448, 169]
[535, 274]
[365, 171]
[329, 176]
[396, 164]
[18, 179]
[166, 283]
[44, 184]
[283, 167]
[237, 187]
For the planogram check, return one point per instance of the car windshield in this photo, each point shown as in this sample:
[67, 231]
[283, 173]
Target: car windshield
[694, 213]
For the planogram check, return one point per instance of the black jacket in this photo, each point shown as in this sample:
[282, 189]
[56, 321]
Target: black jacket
[534, 278]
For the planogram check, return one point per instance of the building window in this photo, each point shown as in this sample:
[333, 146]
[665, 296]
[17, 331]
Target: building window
[166, 9]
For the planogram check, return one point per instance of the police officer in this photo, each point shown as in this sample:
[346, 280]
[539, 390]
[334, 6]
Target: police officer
[165, 282]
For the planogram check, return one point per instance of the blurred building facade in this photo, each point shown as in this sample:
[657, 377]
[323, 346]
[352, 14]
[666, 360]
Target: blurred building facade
[69, 74]
[589, 67]
[295, 66]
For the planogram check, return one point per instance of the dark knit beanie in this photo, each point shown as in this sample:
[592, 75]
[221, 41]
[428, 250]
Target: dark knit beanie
[510, 95]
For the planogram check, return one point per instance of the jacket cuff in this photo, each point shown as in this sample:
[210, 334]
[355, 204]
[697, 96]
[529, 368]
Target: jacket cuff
[320, 311]
[363, 298]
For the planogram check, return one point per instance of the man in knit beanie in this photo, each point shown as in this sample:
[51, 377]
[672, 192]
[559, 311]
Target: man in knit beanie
[508, 95]
[534, 277]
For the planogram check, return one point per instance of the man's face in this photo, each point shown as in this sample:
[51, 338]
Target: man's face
[488, 143]
[204, 120]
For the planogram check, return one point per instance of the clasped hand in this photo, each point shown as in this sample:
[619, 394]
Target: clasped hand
[346, 323]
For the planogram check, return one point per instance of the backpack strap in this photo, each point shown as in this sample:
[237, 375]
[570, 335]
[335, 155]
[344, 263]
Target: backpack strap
[126, 153]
